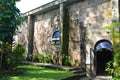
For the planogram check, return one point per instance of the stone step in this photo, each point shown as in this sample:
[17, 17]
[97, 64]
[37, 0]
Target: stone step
[75, 77]
[77, 71]
[75, 68]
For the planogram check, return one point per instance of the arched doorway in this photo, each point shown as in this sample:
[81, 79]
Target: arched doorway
[103, 54]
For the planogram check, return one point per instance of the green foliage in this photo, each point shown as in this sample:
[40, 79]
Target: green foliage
[12, 58]
[10, 18]
[109, 67]
[16, 57]
[65, 59]
[35, 58]
[5, 49]
[116, 62]
[69, 61]
[42, 58]
[48, 59]
[115, 69]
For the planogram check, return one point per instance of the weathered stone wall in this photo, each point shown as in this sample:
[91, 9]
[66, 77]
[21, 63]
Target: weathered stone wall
[45, 25]
[87, 19]
[23, 35]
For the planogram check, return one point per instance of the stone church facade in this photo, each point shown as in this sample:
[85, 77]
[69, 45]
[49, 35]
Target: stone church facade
[80, 24]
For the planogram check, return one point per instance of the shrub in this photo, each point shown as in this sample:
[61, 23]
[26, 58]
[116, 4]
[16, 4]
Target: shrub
[35, 58]
[66, 59]
[41, 57]
[48, 58]
[4, 55]
[115, 69]
[16, 57]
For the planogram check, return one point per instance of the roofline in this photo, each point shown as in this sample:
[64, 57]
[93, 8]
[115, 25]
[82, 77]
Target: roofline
[46, 7]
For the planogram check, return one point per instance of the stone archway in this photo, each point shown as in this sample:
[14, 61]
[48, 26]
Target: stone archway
[103, 54]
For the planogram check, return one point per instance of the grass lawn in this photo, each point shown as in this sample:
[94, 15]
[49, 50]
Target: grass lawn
[36, 73]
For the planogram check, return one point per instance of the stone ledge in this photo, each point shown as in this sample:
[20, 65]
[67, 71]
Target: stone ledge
[67, 68]
[75, 77]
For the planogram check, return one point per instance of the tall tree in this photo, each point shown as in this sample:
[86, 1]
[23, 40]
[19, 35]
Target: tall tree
[10, 18]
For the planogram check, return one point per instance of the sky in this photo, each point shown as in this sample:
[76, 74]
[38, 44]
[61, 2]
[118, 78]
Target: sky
[27, 5]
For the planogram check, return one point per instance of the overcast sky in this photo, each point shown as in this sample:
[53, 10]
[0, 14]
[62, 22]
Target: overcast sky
[27, 5]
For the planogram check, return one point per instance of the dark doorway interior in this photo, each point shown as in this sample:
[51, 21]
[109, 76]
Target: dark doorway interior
[103, 56]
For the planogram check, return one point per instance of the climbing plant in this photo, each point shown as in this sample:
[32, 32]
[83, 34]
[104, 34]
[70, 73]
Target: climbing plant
[10, 18]
[113, 67]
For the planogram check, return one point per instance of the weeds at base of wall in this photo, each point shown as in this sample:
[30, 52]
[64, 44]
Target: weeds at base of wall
[69, 61]
[53, 59]
[42, 58]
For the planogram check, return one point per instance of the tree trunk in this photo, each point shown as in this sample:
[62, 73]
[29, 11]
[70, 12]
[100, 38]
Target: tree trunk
[4, 62]
[5, 54]
[0, 61]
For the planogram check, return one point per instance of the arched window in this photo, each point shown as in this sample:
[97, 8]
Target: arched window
[56, 36]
